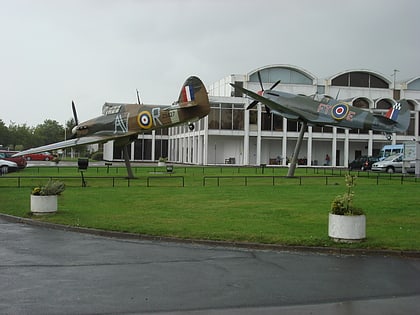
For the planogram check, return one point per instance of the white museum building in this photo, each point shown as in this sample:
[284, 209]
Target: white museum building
[230, 134]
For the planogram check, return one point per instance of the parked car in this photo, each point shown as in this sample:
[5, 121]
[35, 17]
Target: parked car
[45, 156]
[391, 164]
[7, 155]
[7, 166]
[363, 163]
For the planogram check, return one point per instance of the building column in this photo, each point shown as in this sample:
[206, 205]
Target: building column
[246, 138]
[309, 156]
[258, 162]
[199, 145]
[284, 142]
[370, 143]
[205, 140]
[346, 148]
[334, 147]
[153, 144]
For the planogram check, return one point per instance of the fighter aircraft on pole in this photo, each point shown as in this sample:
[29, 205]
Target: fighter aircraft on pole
[123, 122]
[322, 110]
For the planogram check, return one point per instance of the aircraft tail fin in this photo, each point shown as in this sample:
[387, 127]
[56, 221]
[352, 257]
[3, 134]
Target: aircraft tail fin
[193, 93]
[399, 113]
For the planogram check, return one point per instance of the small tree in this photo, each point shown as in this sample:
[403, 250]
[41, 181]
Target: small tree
[343, 204]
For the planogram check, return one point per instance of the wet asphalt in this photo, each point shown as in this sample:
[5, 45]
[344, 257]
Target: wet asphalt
[53, 271]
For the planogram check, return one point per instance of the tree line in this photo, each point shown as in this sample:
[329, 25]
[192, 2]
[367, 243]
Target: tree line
[20, 137]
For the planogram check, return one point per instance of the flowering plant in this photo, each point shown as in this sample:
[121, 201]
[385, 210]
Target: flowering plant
[343, 204]
[52, 187]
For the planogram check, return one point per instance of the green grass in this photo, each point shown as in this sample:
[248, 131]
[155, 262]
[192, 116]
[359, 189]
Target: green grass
[287, 213]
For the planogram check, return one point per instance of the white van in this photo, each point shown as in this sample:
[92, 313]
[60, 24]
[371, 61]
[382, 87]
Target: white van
[390, 149]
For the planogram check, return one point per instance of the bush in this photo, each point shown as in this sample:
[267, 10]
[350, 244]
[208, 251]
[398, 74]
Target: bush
[97, 156]
[343, 204]
[53, 187]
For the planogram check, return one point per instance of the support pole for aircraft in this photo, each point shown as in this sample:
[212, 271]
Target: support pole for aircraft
[293, 163]
[127, 162]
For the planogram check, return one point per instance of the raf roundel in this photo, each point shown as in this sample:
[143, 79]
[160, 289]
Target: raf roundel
[340, 111]
[144, 119]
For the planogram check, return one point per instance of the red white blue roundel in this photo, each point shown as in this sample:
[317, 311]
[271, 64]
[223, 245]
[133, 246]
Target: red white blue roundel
[339, 111]
[144, 119]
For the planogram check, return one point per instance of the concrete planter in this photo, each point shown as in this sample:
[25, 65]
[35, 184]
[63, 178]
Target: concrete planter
[43, 204]
[347, 228]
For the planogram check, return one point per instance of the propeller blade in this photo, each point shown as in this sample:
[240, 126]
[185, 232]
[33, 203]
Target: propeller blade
[138, 97]
[73, 107]
[259, 79]
[252, 105]
[275, 84]
[338, 93]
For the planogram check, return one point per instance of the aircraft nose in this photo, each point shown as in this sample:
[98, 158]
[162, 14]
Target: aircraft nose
[74, 130]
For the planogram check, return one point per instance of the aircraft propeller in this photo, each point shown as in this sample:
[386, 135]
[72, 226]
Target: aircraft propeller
[138, 97]
[255, 102]
[76, 120]
[73, 107]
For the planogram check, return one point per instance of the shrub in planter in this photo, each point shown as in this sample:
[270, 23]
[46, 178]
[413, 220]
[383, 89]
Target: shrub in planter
[347, 223]
[52, 187]
[44, 197]
[343, 204]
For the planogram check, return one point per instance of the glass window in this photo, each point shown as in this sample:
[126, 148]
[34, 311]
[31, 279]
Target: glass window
[292, 125]
[376, 82]
[143, 149]
[277, 123]
[226, 116]
[118, 152]
[253, 117]
[214, 118]
[342, 80]
[161, 148]
[266, 121]
[238, 118]
[359, 79]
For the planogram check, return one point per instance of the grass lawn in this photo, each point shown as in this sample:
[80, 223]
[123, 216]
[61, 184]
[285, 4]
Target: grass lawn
[287, 213]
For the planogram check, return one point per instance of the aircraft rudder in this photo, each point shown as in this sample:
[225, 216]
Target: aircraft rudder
[193, 92]
[400, 112]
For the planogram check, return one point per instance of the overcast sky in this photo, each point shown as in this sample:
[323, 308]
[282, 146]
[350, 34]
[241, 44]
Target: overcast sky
[93, 51]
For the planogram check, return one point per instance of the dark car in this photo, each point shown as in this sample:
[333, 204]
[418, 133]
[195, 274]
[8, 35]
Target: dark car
[7, 155]
[363, 163]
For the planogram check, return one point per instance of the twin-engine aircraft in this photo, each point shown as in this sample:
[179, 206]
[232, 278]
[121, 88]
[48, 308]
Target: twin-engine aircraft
[327, 111]
[123, 122]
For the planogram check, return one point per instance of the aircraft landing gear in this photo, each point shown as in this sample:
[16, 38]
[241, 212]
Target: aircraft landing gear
[191, 126]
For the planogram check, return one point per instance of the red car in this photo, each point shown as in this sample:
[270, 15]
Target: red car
[7, 155]
[45, 156]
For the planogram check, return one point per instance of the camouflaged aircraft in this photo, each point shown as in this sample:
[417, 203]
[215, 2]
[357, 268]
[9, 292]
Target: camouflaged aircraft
[323, 110]
[123, 122]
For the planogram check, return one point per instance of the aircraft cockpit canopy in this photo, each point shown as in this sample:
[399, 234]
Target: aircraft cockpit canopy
[110, 108]
[323, 98]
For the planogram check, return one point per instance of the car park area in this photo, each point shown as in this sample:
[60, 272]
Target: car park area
[363, 163]
[8, 155]
[44, 156]
[392, 164]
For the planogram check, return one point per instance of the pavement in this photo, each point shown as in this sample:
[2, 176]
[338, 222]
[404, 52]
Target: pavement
[56, 271]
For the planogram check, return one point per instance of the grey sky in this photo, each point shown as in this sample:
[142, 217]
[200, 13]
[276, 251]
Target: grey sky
[93, 51]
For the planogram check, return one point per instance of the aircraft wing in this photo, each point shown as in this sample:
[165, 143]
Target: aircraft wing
[286, 111]
[65, 144]
[257, 97]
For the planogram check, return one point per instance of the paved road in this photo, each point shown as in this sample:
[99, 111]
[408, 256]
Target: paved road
[49, 271]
